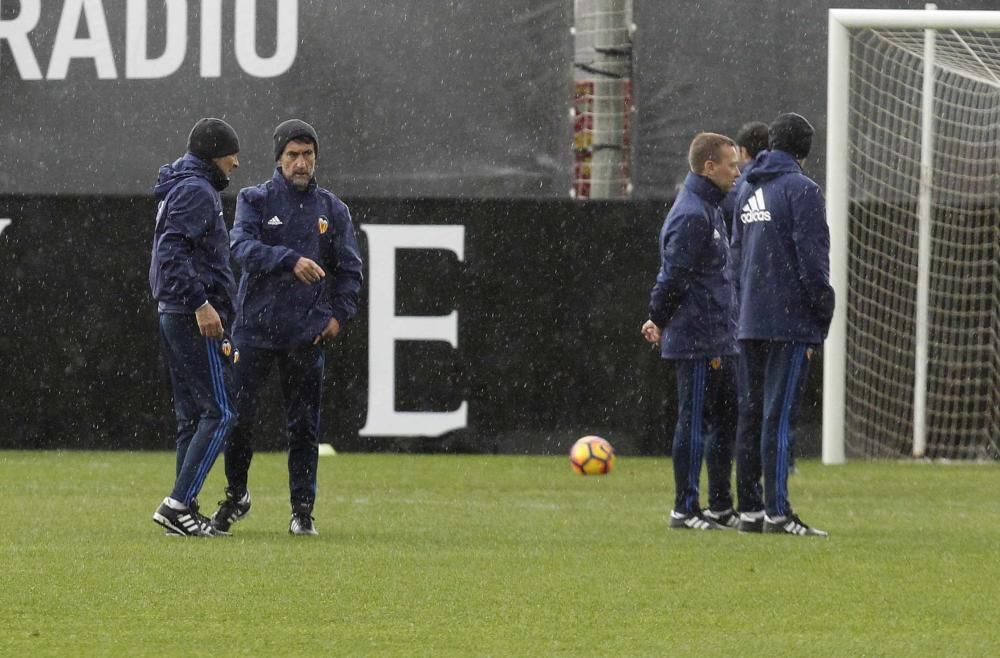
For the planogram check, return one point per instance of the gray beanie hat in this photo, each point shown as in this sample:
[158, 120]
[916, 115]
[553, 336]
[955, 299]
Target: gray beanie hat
[293, 129]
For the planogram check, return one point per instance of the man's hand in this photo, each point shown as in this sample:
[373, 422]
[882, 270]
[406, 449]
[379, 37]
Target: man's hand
[651, 332]
[332, 329]
[209, 322]
[307, 271]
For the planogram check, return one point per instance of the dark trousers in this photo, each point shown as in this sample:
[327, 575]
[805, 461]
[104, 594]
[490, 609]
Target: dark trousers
[301, 375]
[771, 378]
[706, 427]
[201, 378]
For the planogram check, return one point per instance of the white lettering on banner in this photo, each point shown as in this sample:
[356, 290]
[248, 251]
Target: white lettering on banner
[246, 39]
[385, 328]
[137, 63]
[88, 16]
[4, 223]
[96, 46]
[211, 38]
[15, 33]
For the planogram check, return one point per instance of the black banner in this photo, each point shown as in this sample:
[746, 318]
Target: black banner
[545, 299]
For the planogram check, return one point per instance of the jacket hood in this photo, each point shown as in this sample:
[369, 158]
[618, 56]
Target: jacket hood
[771, 164]
[185, 167]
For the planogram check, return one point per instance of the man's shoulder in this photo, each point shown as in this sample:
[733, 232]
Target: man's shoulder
[193, 191]
[687, 206]
[256, 192]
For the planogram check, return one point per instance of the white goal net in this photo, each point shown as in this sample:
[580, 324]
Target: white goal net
[919, 293]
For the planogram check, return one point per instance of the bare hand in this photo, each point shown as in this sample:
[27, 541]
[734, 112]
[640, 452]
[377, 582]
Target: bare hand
[332, 329]
[651, 332]
[209, 322]
[307, 271]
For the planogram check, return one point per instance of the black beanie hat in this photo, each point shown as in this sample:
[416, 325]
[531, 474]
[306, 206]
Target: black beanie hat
[293, 129]
[790, 133]
[213, 138]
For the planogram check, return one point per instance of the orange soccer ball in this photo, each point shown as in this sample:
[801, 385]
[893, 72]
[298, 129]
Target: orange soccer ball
[592, 455]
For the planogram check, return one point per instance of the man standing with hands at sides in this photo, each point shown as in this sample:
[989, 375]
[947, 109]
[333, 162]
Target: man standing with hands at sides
[301, 275]
[193, 286]
[692, 317]
[781, 249]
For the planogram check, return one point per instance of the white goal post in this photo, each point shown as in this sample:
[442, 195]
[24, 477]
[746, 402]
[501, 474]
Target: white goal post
[913, 155]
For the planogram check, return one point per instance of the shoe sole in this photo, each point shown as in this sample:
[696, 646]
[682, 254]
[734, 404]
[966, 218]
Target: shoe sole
[172, 530]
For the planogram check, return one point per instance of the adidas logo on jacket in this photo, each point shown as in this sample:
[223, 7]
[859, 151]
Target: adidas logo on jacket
[754, 210]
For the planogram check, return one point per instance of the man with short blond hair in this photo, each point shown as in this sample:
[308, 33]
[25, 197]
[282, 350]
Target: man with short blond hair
[692, 316]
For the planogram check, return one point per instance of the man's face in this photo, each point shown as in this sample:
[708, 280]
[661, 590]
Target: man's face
[227, 163]
[298, 163]
[724, 172]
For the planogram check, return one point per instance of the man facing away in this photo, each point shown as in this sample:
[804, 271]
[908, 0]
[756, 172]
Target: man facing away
[193, 286]
[692, 317]
[301, 275]
[781, 249]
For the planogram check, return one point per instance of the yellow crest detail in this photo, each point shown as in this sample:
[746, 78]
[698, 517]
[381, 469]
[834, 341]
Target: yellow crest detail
[236, 356]
[715, 363]
[227, 348]
[323, 225]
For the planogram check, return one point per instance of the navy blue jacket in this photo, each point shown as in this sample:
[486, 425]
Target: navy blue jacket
[781, 249]
[276, 224]
[693, 301]
[190, 259]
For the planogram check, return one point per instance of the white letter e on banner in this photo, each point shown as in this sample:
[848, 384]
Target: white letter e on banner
[385, 328]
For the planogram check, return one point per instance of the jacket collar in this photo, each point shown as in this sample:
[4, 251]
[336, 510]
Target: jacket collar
[703, 188]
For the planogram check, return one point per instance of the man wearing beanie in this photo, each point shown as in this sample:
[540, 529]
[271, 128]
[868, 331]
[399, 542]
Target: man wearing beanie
[781, 249]
[301, 276]
[193, 286]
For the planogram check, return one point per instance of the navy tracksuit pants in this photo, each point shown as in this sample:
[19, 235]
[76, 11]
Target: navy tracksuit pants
[301, 375]
[706, 428]
[201, 378]
[772, 375]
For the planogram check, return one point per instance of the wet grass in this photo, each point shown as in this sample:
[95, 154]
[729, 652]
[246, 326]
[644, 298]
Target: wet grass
[493, 556]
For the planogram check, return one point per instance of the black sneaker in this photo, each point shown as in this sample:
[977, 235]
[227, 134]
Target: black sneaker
[791, 525]
[230, 511]
[751, 522]
[183, 522]
[728, 519]
[302, 521]
[693, 521]
[196, 510]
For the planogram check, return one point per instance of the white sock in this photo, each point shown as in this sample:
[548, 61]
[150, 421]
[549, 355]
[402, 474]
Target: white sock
[174, 504]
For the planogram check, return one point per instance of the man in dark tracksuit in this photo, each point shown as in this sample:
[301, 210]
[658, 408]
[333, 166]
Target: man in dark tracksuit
[692, 316]
[193, 286]
[301, 277]
[781, 247]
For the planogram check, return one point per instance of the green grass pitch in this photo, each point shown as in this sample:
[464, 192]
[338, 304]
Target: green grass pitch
[493, 556]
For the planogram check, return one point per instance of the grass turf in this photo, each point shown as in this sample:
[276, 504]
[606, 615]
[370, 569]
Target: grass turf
[493, 556]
